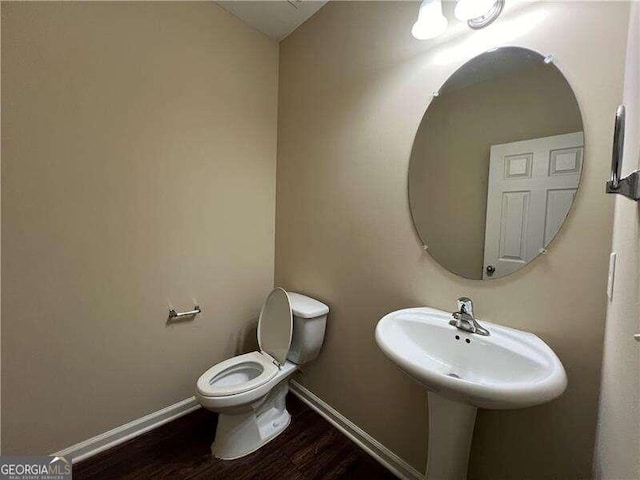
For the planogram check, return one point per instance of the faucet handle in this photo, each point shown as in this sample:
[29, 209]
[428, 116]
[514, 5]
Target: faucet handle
[465, 305]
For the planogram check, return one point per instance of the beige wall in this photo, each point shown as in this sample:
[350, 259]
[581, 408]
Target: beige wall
[138, 173]
[617, 454]
[452, 149]
[353, 88]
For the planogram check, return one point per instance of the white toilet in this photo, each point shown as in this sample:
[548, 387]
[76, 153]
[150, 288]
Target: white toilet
[248, 391]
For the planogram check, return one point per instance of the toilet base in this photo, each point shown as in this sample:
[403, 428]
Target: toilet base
[244, 433]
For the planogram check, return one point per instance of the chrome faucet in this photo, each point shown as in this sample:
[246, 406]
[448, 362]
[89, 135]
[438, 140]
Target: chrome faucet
[463, 318]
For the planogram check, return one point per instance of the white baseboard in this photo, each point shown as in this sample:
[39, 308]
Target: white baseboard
[365, 441]
[100, 443]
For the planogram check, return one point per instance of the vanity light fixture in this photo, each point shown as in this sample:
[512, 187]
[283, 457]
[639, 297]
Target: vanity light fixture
[431, 22]
[478, 13]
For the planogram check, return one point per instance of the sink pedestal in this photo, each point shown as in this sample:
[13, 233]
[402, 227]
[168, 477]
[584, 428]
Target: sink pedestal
[450, 432]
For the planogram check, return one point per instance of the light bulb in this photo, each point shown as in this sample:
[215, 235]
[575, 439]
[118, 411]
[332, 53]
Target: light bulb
[468, 9]
[431, 22]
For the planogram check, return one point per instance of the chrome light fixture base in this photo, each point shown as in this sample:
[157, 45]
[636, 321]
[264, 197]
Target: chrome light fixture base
[488, 18]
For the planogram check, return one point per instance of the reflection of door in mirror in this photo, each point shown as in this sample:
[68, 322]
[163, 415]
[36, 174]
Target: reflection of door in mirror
[531, 188]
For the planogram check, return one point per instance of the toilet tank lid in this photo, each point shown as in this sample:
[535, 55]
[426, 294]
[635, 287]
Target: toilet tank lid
[306, 307]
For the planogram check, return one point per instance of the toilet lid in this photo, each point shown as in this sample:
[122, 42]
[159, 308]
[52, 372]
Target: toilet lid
[276, 325]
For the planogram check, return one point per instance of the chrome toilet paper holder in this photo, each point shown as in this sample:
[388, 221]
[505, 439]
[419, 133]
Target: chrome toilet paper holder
[191, 313]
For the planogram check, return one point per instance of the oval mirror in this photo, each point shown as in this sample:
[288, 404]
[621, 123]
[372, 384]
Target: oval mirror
[496, 163]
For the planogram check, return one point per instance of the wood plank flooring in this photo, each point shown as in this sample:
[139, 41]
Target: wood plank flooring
[309, 449]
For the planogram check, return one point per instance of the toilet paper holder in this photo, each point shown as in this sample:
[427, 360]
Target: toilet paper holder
[191, 313]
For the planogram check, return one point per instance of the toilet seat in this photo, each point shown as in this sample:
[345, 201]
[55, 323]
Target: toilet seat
[237, 375]
[250, 371]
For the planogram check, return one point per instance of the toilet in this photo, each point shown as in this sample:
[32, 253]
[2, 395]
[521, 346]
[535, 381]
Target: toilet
[248, 391]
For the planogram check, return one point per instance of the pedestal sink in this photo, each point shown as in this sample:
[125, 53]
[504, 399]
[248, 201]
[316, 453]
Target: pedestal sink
[464, 371]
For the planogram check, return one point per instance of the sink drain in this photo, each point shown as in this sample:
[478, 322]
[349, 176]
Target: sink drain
[453, 375]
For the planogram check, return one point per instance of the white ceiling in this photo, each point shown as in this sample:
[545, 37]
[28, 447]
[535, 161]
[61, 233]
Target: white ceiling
[275, 18]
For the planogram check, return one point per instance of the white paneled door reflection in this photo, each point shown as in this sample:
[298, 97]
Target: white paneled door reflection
[531, 188]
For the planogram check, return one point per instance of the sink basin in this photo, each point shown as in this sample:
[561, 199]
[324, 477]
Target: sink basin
[508, 369]
[465, 371]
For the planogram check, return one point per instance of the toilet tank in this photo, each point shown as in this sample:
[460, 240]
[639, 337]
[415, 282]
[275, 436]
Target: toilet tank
[309, 321]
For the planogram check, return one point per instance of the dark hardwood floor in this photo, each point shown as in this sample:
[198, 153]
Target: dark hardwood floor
[310, 448]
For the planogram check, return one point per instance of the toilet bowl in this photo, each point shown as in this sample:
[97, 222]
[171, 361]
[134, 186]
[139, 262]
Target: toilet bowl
[248, 391]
